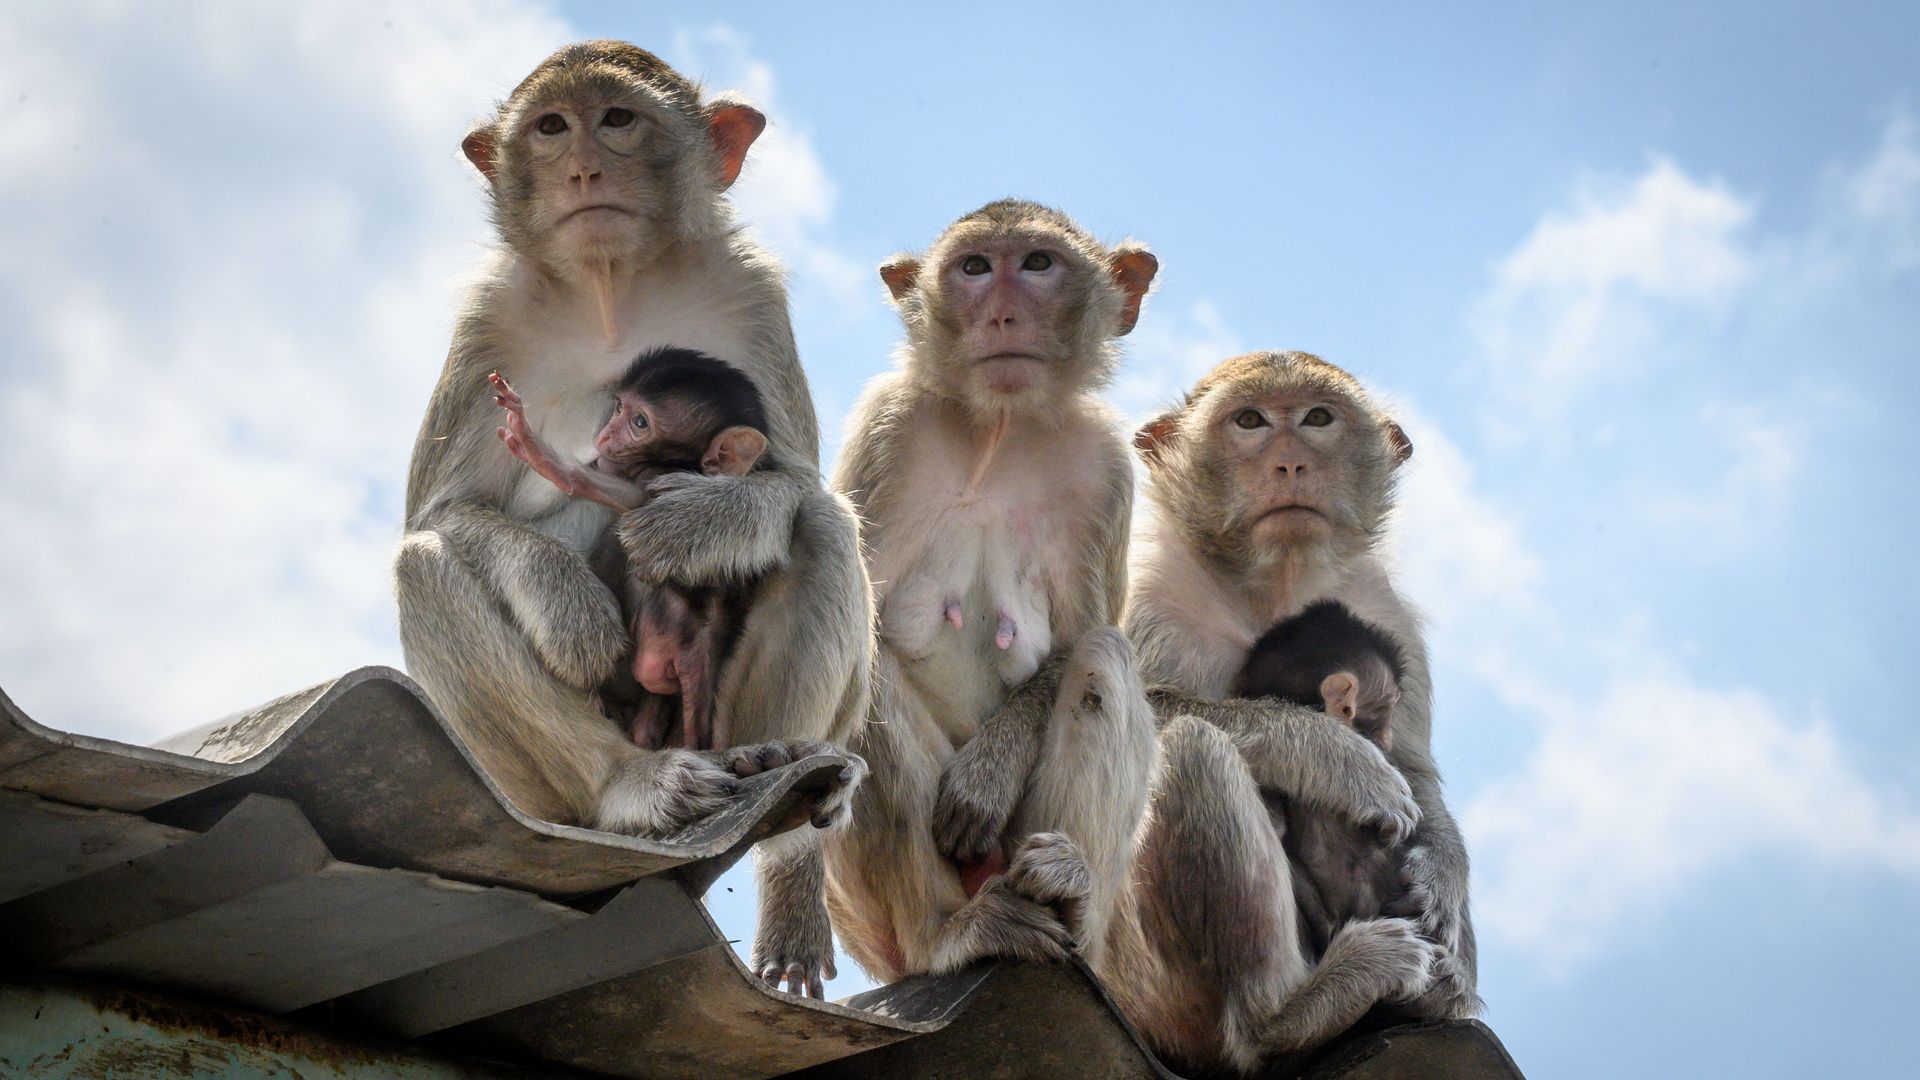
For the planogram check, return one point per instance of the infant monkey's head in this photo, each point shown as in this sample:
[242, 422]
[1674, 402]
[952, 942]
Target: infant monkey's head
[678, 410]
[1328, 658]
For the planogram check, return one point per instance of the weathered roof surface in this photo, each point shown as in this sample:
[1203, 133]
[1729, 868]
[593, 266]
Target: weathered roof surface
[337, 853]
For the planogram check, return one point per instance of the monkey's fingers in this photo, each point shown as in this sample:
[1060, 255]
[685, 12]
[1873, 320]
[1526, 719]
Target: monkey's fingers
[503, 392]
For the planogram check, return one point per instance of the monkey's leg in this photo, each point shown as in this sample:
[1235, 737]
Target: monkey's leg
[1217, 897]
[888, 889]
[1091, 780]
[1215, 904]
[543, 742]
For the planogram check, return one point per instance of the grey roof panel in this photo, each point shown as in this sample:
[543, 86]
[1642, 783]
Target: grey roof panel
[339, 845]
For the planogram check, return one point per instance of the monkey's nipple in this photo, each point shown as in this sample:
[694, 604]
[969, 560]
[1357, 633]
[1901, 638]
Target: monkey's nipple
[955, 618]
[1005, 632]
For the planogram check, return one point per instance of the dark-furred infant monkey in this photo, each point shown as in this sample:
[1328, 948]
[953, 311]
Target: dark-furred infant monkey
[1326, 657]
[676, 410]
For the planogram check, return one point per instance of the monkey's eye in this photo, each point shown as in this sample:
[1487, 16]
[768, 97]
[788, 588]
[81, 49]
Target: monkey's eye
[617, 118]
[974, 265]
[1037, 262]
[1248, 419]
[639, 420]
[551, 124]
[1318, 416]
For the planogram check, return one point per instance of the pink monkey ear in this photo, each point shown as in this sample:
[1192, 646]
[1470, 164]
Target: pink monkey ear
[1341, 692]
[901, 273]
[733, 126]
[733, 452]
[1156, 437]
[1133, 268]
[478, 146]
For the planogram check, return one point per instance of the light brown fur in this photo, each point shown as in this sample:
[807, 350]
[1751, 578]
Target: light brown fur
[615, 238]
[1008, 727]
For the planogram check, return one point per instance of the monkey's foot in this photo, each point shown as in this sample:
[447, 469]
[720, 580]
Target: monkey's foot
[794, 946]
[1049, 869]
[658, 793]
[1388, 954]
[1002, 922]
[829, 808]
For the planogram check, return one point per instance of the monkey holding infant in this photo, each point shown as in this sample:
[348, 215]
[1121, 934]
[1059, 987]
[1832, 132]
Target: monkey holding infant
[675, 410]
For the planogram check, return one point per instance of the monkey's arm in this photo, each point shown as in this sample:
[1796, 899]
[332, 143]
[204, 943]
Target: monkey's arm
[710, 530]
[570, 617]
[1436, 872]
[1300, 752]
[984, 779]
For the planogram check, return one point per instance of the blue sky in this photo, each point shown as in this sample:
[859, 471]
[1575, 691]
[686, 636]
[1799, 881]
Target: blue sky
[1643, 281]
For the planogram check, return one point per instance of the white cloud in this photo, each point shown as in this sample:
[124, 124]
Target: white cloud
[785, 195]
[1580, 301]
[219, 326]
[1755, 487]
[1872, 207]
[1167, 353]
[1640, 796]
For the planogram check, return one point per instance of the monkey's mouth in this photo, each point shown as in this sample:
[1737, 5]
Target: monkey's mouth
[608, 207]
[1010, 356]
[1290, 509]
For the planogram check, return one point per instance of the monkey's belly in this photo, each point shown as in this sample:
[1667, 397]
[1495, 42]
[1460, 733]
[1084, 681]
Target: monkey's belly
[964, 645]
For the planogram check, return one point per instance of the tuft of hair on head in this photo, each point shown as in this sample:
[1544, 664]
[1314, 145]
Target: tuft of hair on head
[1325, 637]
[723, 391]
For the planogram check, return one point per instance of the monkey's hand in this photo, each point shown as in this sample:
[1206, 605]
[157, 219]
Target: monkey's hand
[709, 530]
[1384, 803]
[794, 946]
[978, 792]
[656, 794]
[831, 807]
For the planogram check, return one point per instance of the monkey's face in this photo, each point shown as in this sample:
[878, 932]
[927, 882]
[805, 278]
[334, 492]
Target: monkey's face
[593, 174]
[605, 155]
[643, 437]
[1275, 455]
[1017, 307]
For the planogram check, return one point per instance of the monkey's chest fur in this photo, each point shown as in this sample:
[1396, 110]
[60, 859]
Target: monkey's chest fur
[978, 585]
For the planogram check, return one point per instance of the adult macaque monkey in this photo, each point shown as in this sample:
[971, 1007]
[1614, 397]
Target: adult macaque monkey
[1269, 488]
[996, 495]
[607, 171]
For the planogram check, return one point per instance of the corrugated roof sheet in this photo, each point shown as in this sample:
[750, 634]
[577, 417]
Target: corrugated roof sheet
[340, 847]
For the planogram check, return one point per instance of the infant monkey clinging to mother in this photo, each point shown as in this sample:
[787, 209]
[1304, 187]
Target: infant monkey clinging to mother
[675, 410]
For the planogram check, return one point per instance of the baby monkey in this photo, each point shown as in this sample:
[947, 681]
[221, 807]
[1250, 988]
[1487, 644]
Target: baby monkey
[675, 410]
[1327, 657]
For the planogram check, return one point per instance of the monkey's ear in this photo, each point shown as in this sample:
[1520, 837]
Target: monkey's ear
[478, 146]
[901, 273]
[1133, 267]
[1341, 692]
[1402, 446]
[733, 125]
[1156, 436]
[733, 452]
